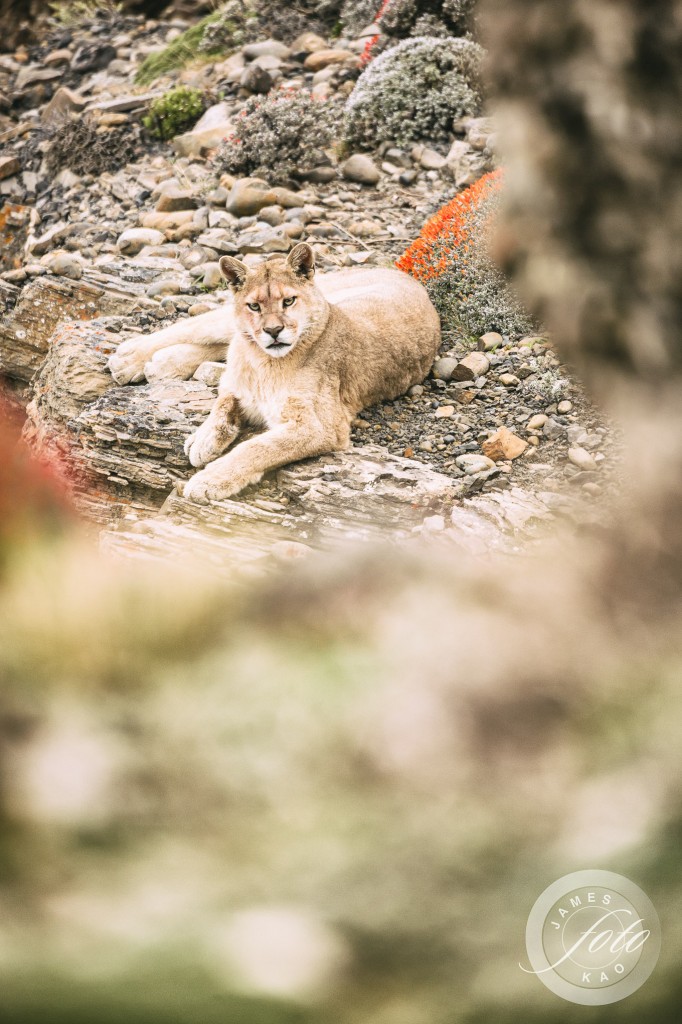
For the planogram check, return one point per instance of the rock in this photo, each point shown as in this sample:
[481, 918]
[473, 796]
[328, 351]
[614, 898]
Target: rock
[407, 177]
[537, 422]
[308, 42]
[366, 493]
[211, 129]
[256, 79]
[25, 332]
[135, 239]
[471, 464]
[285, 197]
[444, 368]
[564, 407]
[433, 524]
[65, 101]
[266, 48]
[503, 444]
[176, 199]
[175, 226]
[248, 196]
[9, 165]
[212, 276]
[361, 169]
[32, 75]
[125, 102]
[445, 412]
[38, 246]
[552, 429]
[477, 362]
[92, 57]
[209, 373]
[126, 441]
[509, 380]
[492, 340]
[57, 58]
[582, 459]
[431, 160]
[324, 58]
[65, 265]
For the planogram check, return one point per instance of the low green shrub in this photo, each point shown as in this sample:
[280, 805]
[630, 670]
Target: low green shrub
[178, 53]
[174, 112]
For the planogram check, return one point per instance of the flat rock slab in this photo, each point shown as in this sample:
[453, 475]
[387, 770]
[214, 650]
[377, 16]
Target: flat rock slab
[122, 445]
[357, 495]
[25, 332]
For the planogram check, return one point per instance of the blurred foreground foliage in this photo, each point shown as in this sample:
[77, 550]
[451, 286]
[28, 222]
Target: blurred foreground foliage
[335, 795]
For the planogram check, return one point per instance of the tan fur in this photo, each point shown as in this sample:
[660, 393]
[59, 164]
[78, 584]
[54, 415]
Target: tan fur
[378, 337]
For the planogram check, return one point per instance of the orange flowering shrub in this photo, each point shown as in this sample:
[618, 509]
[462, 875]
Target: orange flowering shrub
[452, 258]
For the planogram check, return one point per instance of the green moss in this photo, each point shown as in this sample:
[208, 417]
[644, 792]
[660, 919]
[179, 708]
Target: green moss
[174, 112]
[178, 53]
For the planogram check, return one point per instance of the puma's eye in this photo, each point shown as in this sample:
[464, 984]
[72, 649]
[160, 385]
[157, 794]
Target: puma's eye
[254, 307]
[290, 301]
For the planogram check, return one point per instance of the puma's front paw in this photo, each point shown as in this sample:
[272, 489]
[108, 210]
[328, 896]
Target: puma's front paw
[208, 442]
[206, 486]
[175, 363]
[127, 363]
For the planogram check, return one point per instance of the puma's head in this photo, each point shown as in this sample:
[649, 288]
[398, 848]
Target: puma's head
[276, 303]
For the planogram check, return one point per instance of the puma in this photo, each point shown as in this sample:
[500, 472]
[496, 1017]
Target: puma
[303, 360]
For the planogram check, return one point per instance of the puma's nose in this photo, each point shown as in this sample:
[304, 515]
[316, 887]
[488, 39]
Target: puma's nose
[274, 332]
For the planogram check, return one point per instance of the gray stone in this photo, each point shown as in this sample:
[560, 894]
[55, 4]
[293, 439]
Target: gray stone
[266, 48]
[65, 265]
[361, 169]
[444, 368]
[477, 362]
[135, 239]
[471, 464]
[248, 196]
[211, 129]
[65, 101]
[9, 166]
[582, 459]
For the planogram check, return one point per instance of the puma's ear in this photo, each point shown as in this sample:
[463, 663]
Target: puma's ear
[301, 259]
[234, 271]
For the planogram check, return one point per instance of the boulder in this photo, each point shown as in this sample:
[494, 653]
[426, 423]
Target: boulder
[26, 330]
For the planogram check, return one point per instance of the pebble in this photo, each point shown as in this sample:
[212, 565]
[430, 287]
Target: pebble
[361, 169]
[135, 239]
[509, 380]
[445, 412]
[9, 165]
[537, 422]
[248, 196]
[492, 340]
[582, 459]
[474, 464]
[64, 265]
[503, 444]
[477, 362]
[564, 407]
[323, 58]
[444, 368]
